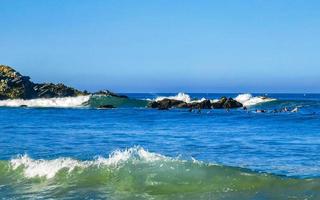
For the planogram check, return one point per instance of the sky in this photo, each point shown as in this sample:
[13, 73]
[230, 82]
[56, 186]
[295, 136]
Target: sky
[165, 45]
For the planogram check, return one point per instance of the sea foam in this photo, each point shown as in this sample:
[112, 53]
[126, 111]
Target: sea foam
[47, 102]
[49, 168]
[180, 97]
[246, 99]
[249, 100]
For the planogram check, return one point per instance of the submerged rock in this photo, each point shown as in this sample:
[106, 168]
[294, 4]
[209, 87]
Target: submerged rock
[106, 107]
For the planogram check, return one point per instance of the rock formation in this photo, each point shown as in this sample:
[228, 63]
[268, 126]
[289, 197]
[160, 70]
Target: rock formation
[224, 102]
[13, 85]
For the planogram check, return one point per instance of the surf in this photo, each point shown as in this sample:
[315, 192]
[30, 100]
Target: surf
[138, 172]
[96, 101]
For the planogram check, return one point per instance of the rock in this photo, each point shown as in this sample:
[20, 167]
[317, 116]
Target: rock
[165, 104]
[224, 102]
[206, 104]
[183, 105]
[231, 103]
[109, 93]
[219, 104]
[106, 107]
[13, 85]
[153, 104]
[50, 90]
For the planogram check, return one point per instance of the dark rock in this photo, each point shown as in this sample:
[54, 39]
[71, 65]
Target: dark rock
[13, 85]
[109, 93]
[165, 104]
[224, 102]
[231, 103]
[106, 107]
[206, 104]
[169, 103]
[219, 104]
[183, 105]
[50, 90]
[153, 104]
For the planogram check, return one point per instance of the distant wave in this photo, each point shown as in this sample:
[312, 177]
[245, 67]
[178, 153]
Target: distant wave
[99, 100]
[249, 100]
[142, 172]
[93, 101]
[181, 96]
[245, 99]
[65, 102]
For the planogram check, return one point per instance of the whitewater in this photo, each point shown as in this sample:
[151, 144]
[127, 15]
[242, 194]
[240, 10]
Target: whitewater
[97, 100]
[68, 149]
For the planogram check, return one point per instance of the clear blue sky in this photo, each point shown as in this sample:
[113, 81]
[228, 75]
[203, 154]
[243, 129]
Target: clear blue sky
[165, 45]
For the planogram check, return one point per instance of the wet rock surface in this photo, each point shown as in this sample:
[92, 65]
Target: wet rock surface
[224, 102]
[109, 93]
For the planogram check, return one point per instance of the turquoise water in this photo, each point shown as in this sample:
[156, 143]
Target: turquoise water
[133, 152]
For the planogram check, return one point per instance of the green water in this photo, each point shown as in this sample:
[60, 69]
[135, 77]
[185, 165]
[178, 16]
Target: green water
[144, 176]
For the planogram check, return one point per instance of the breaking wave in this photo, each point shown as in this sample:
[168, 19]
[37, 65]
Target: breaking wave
[64, 102]
[245, 99]
[181, 97]
[95, 101]
[249, 100]
[138, 173]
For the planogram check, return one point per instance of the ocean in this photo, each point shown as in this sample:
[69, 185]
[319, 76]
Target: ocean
[68, 149]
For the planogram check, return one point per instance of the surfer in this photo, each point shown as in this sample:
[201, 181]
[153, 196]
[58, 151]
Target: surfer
[285, 109]
[295, 109]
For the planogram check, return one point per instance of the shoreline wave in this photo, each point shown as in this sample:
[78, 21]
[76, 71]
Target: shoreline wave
[136, 171]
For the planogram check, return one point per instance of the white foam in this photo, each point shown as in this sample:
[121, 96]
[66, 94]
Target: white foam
[249, 100]
[180, 97]
[49, 168]
[44, 168]
[47, 102]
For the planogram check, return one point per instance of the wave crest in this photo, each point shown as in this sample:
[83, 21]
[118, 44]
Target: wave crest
[49, 168]
[249, 100]
[65, 102]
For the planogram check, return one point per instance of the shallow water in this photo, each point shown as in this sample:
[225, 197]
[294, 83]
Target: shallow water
[175, 154]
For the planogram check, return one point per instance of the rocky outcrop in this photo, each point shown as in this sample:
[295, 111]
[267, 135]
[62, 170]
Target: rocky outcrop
[109, 93]
[13, 85]
[165, 104]
[231, 103]
[49, 90]
[224, 102]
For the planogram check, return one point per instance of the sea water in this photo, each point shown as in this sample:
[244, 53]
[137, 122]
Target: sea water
[67, 149]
